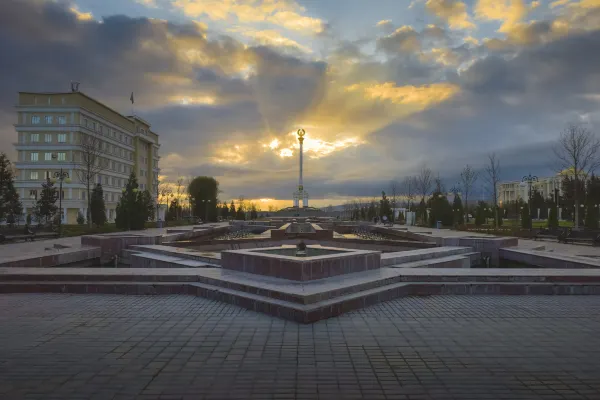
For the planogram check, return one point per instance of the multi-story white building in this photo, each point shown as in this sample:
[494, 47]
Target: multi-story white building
[50, 128]
[513, 190]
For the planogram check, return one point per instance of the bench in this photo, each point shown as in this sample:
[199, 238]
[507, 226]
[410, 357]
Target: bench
[545, 233]
[584, 237]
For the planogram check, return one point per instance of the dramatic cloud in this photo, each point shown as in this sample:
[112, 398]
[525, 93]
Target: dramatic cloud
[228, 83]
[453, 12]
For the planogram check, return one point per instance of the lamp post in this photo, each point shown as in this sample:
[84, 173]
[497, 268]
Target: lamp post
[530, 179]
[61, 176]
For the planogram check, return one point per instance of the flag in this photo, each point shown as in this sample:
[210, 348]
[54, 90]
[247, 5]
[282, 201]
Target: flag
[131, 98]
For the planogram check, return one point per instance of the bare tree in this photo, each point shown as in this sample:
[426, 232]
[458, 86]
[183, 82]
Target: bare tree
[493, 178]
[90, 163]
[577, 154]
[468, 177]
[163, 193]
[409, 187]
[179, 193]
[394, 192]
[439, 185]
[424, 182]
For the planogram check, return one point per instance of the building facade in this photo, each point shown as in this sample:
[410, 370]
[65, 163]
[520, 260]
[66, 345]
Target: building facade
[50, 128]
[514, 190]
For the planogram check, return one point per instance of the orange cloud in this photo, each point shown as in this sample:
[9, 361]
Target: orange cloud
[453, 12]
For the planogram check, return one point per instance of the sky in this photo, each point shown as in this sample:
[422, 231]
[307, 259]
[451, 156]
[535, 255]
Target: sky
[381, 87]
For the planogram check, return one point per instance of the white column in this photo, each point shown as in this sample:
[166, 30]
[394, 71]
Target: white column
[70, 194]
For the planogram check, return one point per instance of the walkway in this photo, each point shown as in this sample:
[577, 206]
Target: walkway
[442, 347]
[11, 250]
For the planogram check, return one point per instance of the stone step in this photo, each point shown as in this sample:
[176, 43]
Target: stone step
[299, 312]
[456, 261]
[179, 252]
[152, 260]
[400, 257]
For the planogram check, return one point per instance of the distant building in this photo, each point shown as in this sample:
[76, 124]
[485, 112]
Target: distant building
[513, 190]
[52, 124]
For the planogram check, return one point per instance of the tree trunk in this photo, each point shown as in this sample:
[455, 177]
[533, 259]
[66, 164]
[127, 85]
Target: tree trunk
[89, 206]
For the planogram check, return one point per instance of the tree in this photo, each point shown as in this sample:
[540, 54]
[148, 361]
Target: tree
[225, 211]
[178, 193]
[468, 177]
[174, 210]
[97, 206]
[394, 190]
[134, 207]
[11, 207]
[480, 213]
[45, 208]
[253, 211]
[80, 218]
[232, 211]
[493, 177]
[385, 206]
[592, 200]
[525, 216]
[457, 209]
[440, 209]
[203, 192]
[409, 186]
[424, 182]
[577, 155]
[553, 217]
[89, 164]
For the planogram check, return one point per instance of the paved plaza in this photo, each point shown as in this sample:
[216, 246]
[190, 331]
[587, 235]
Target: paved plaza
[55, 346]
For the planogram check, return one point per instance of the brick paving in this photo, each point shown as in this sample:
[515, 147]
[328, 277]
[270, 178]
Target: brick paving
[55, 346]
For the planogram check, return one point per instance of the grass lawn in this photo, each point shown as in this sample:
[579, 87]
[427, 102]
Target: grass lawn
[510, 223]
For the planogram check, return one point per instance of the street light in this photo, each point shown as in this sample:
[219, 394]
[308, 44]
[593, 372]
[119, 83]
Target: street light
[61, 176]
[530, 179]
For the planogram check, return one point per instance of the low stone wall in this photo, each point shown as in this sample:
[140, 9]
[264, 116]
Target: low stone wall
[300, 269]
[55, 258]
[547, 259]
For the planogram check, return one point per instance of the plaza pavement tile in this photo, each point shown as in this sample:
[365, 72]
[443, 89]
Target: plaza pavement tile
[55, 346]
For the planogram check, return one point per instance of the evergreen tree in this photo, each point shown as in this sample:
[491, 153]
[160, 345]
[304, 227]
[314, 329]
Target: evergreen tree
[134, 207]
[457, 207]
[45, 208]
[553, 217]
[80, 218]
[371, 211]
[499, 213]
[253, 212]
[439, 210]
[363, 213]
[224, 211]
[11, 207]
[385, 206]
[97, 206]
[241, 212]
[232, 210]
[174, 210]
[525, 217]
[422, 211]
[592, 201]
[480, 213]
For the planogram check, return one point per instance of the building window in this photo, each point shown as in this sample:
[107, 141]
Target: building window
[35, 137]
[62, 156]
[82, 195]
[48, 138]
[47, 156]
[85, 122]
[47, 174]
[33, 175]
[34, 156]
[33, 194]
[48, 119]
[62, 120]
[35, 120]
[62, 138]
[106, 180]
[93, 126]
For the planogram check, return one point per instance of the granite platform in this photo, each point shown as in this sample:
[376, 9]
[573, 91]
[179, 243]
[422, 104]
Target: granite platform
[301, 301]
